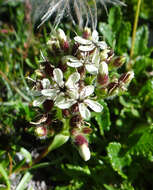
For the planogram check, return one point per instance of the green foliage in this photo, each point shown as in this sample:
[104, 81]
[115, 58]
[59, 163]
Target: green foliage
[103, 120]
[5, 176]
[118, 161]
[117, 31]
[58, 141]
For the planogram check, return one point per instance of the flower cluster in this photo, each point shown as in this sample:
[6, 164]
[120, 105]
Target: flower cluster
[71, 82]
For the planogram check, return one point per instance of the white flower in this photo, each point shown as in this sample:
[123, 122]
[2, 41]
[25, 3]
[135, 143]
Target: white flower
[65, 93]
[89, 45]
[91, 64]
[84, 101]
[41, 98]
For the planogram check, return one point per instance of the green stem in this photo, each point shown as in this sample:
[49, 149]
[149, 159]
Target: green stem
[129, 66]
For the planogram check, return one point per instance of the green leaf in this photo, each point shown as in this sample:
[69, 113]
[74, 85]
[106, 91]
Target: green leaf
[141, 142]
[103, 119]
[141, 41]
[123, 38]
[58, 141]
[106, 31]
[115, 18]
[26, 178]
[117, 160]
[26, 155]
[141, 65]
[5, 176]
[30, 64]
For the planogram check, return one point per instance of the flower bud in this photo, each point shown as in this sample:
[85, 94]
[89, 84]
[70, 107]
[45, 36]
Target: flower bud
[66, 113]
[40, 73]
[86, 33]
[82, 145]
[103, 68]
[48, 104]
[75, 121]
[126, 77]
[104, 54]
[63, 39]
[86, 130]
[113, 88]
[118, 61]
[75, 108]
[102, 77]
[54, 45]
[41, 131]
[61, 35]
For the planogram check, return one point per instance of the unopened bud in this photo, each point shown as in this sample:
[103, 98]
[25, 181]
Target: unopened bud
[82, 145]
[75, 108]
[86, 130]
[62, 39]
[48, 104]
[104, 54]
[54, 45]
[103, 68]
[126, 77]
[61, 35]
[102, 77]
[113, 88]
[65, 112]
[41, 131]
[65, 46]
[86, 33]
[118, 61]
[40, 73]
[75, 121]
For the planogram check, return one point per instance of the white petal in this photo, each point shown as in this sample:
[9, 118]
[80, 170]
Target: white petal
[95, 106]
[86, 91]
[91, 69]
[39, 101]
[87, 48]
[61, 34]
[84, 152]
[73, 94]
[42, 120]
[74, 64]
[81, 40]
[58, 76]
[60, 98]
[95, 36]
[71, 58]
[85, 113]
[103, 68]
[72, 80]
[45, 83]
[65, 104]
[36, 92]
[50, 93]
[102, 45]
[96, 58]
